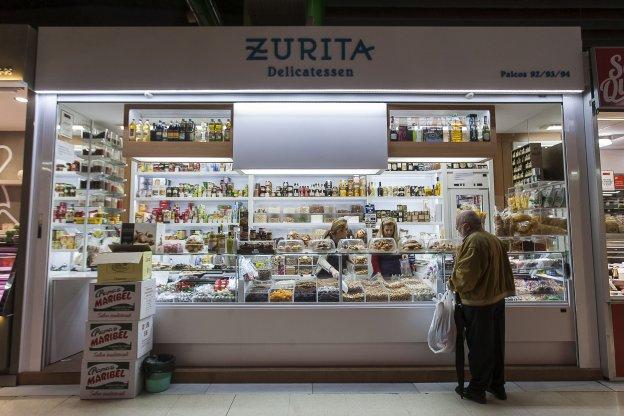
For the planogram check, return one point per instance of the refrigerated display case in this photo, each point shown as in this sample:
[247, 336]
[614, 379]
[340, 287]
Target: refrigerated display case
[8, 254]
[293, 278]
[88, 193]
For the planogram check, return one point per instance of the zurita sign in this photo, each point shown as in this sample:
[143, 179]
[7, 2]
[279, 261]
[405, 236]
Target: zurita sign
[306, 50]
[312, 59]
[609, 77]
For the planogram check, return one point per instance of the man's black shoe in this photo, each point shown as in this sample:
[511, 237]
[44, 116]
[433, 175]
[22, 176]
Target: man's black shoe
[498, 392]
[471, 395]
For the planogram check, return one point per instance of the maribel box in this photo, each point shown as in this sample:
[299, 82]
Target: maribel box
[120, 340]
[128, 301]
[111, 379]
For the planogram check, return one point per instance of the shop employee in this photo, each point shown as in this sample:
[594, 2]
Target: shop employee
[387, 264]
[330, 265]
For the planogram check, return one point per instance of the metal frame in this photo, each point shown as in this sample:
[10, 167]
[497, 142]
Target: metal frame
[601, 273]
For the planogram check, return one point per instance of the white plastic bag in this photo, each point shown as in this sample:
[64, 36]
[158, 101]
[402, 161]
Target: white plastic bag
[442, 331]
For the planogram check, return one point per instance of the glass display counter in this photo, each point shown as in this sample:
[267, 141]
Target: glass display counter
[299, 278]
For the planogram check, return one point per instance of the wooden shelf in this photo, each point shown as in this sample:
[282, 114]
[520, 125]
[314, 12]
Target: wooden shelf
[167, 150]
[486, 150]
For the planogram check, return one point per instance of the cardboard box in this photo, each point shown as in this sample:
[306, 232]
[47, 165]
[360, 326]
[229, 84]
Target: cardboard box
[150, 234]
[123, 267]
[118, 340]
[111, 379]
[129, 301]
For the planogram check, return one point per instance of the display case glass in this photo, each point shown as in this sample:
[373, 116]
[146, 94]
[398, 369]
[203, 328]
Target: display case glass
[87, 201]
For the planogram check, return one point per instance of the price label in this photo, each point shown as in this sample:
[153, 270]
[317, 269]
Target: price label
[608, 180]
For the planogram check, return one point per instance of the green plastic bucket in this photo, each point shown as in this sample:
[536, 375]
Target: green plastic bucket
[158, 370]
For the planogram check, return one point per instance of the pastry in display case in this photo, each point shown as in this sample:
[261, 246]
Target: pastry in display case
[255, 247]
[354, 293]
[290, 246]
[382, 245]
[321, 246]
[351, 245]
[442, 245]
[410, 243]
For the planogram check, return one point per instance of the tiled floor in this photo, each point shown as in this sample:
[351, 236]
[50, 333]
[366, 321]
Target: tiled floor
[397, 399]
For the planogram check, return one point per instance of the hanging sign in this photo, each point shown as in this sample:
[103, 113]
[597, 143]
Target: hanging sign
[618, 182]
[609, 77]
[608, 180]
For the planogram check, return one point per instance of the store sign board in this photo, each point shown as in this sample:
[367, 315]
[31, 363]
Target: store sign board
[608, 180]
[618, 182]
[609, 77]
[311, 58]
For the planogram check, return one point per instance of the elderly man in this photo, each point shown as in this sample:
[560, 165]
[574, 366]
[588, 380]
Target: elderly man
[483, 279]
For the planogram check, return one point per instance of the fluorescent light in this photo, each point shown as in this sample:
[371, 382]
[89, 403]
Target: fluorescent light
[610, 118]
[437, 159]
[185, 159]
[293, 172]
[604, 142]
[554, 127]
[313, 91]
[21, 99]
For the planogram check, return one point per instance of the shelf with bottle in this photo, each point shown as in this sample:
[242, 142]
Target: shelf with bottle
[173, 188]
[438, 126]
[106, 227]
[312, 198]
[307, 225]
[192, 199]
[165, 166]
[313, 187]
[198, 225]
[405, 198]
[181, 130]
[192, 214]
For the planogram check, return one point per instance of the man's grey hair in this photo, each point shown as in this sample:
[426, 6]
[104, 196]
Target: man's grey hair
[471, 218]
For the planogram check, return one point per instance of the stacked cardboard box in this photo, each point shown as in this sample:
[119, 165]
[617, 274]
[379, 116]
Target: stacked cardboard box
[119, 333]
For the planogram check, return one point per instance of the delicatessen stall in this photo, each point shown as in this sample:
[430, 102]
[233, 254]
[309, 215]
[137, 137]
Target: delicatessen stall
[265, 209]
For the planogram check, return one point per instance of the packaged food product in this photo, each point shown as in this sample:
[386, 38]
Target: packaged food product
[442, 245]
[382, 245]
[351, 245]
[290, 246]
[322, 246]
[410, 244]
[255, 247]
[194, 244]
[305, 261]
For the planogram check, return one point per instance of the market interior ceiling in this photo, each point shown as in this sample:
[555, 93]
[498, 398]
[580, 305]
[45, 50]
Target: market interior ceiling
[602, 21]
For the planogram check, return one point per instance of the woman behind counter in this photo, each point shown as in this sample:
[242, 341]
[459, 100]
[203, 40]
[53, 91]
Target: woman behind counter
[387, 264]
[329, 266]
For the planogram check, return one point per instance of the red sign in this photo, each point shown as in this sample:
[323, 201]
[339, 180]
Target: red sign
[610, 77]
[618, 181]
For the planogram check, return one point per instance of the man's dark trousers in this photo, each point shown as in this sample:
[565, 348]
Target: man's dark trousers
[485, 337]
